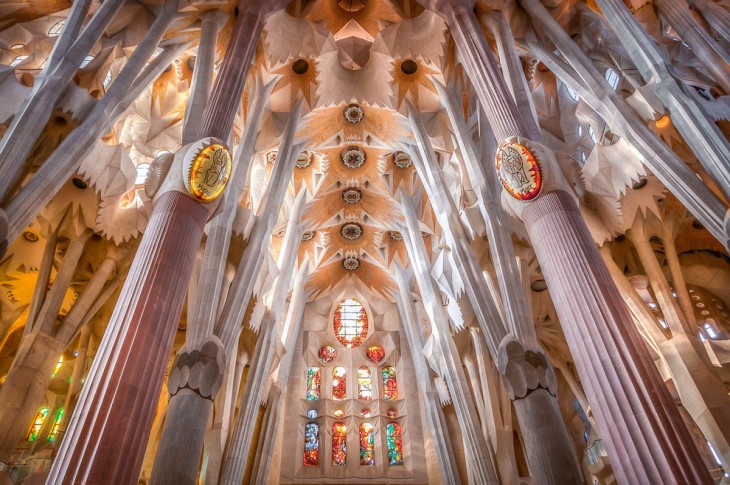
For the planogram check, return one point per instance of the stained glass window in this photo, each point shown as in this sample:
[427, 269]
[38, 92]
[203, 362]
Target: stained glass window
[390, 385]
[367, 444]
[314, 379]
[392, 413]
[339, 383]
[312, 413]
[35, 428]
[56, 425]
[364, 384]
[376, 353]
[327, 353]
[351, 323]
[395, 444]
[339, 413]
[56, 28]
[365, 413]
[339, 444]
[311, 444]
[59, 364]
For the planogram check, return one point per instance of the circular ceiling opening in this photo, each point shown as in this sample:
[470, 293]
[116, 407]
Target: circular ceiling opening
[300, 66]
[409, 66]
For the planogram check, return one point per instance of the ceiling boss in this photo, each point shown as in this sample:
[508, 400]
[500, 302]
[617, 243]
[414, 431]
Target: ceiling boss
[209, 172]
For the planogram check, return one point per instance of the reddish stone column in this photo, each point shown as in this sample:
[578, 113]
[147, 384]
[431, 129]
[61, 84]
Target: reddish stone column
[105, 442]
[639, 422]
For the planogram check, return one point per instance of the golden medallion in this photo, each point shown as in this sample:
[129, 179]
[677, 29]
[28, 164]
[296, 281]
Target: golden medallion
[518, 171]
[209, 172]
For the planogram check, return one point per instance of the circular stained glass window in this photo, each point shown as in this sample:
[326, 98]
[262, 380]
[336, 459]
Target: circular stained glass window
[350, 323]
[327, 353]
[376, 353]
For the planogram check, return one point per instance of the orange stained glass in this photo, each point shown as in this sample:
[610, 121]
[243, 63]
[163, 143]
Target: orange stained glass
[390, 384]
[35, 428]
[367, 444]
[339, 383]
[350, 323]
[339, 444]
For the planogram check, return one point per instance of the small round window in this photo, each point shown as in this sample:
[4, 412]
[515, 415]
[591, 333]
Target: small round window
[351, 323]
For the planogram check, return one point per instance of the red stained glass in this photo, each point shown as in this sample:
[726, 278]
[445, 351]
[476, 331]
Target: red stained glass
[327, 353]
[339, 383]
[376, 353]
[367, 444]
[339, 444]
[351, 323]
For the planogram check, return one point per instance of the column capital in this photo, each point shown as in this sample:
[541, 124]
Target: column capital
[523, 370]
[200, 370]
[528, 170]
[200, 170]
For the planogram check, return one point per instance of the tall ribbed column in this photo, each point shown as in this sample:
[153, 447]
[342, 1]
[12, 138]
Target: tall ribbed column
[712, 56]
[639, 422]
[646, 438]
[115, 411]
[715, 15]
[476, 448]
[434, 413]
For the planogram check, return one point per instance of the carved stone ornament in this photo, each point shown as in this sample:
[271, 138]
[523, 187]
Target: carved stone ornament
[354, 113]
[402, 160]
[396, 236]
[207, 171]
[351, 231]
[351, 196]
[304, 160]
[518, 171]
[351, 263]
[157, 172]
[307, 236]
[353, 157]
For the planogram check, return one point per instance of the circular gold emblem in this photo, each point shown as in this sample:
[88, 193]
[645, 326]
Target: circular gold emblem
[209, 172]
[518, 171]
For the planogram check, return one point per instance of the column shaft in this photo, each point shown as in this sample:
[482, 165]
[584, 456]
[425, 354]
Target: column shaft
[640, 424]
[116, 408]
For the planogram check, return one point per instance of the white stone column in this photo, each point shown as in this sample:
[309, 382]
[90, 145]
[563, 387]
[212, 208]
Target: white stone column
[478, 452]
[712, 56]
[237, 455]
[692, 121]
[211, 22]
[577, 71]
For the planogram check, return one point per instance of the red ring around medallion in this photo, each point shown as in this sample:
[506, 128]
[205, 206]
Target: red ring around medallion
[534, 172]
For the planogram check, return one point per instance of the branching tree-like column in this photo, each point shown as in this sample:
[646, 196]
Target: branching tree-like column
[197, 371]
[527, 374]
[642, 428]
[236, 457]
[104, 442]
[480, 462]
[698, 130]
[711, 54]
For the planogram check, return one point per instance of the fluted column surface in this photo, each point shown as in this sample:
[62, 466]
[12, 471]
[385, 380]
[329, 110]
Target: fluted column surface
[640, 424]
[112, 420]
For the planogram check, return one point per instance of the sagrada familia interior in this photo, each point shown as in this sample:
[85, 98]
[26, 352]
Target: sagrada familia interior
[365, 242]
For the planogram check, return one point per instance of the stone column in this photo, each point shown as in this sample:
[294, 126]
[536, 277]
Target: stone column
[575, 69]
[116, 408]
[565, 468]
[712, 56]
[715, 15]
[211, 23]
[104, 442]
[692, 121]
[644, 433]
[198, 369]
[434, 413]
[29, 121]
[477, 450]
[237, 456]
